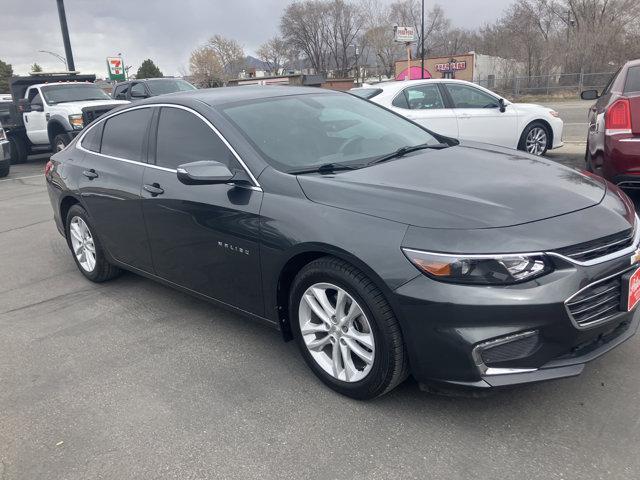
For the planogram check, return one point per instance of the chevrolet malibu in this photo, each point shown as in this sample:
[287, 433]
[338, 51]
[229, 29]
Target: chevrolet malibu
[383, 249]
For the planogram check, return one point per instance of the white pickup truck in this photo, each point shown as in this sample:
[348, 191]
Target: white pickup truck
[49, 110]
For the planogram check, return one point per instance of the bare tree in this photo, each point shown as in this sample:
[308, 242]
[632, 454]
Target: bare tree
[274, 53]
[408, 13]
[229, 54]
[205, 68]
[342, 24]
[302, 27]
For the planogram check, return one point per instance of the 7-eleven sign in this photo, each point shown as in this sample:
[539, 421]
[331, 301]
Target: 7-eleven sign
[115, 66]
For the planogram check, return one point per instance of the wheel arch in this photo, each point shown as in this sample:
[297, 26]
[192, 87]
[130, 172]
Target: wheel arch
[544, 123]
[66, 203]
[302, 256]
[55, 127]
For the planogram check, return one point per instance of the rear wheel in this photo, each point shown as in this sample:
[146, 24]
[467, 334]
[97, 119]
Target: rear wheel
[535, 139]
[86, 248]
[18, 149]
[346, 330]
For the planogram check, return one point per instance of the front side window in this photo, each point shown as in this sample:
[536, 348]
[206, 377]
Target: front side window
[37, 100]
[632, 84]
[121, 92]
[424, 97]
[70, 92]
[464, 96]
[303, 131]
[137, 90]
[185, 138]
[124, 134]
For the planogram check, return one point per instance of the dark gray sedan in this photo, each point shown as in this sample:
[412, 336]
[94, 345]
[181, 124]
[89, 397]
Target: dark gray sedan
[381, 248]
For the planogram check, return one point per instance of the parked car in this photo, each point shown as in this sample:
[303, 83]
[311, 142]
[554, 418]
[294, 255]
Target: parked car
[381, 247]
[149, 87]
[463, 110]
[5, 154]
[613, 139]
[48, 110]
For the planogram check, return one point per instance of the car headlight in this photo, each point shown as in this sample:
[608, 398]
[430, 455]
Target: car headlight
[76, 121]
[480, 269]
[553, 113]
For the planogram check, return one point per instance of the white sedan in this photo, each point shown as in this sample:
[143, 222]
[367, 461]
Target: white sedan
[463, 110]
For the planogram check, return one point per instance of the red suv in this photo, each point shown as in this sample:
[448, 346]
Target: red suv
[613, 141]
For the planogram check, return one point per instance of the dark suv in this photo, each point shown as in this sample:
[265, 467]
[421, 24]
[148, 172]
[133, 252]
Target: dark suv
[150, 87]
[613, 141]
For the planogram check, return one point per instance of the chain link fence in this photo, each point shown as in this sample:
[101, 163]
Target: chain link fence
[561, 84]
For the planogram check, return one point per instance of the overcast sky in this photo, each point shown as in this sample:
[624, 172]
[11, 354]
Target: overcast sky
[163, 30]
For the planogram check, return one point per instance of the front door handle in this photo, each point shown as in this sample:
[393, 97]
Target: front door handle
[464, 116]
[154, 189]
[90, 174]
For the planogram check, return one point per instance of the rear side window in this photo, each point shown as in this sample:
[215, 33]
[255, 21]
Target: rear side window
[124, 134]
[632, 84]
[185, 138]
[91, 141]
[121, 92]
[400, 101]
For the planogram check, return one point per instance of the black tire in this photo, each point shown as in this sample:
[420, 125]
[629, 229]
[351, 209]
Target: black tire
[522, 144]
[588, 161]
[4, 171]
[60, 142]
[390, 364]
[18, 149]
[103, 270]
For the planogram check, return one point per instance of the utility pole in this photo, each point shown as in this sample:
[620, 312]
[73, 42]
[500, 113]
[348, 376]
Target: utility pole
[422, 41]
[65, 36]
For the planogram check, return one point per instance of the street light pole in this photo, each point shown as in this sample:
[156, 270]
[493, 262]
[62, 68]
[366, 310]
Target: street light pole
[422, 41]
[65, 36]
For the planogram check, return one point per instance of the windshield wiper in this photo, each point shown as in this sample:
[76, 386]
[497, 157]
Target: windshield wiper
[404, 150]
[324, 168]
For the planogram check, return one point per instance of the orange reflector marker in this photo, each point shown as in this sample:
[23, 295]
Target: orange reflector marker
[438, 269]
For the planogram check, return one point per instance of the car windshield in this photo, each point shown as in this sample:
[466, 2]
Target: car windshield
[62, 93]
[303, 131]
[160, 87]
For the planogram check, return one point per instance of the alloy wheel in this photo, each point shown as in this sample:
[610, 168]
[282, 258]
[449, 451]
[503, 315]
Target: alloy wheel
[336, 332]
[83, 245]
[536, 141]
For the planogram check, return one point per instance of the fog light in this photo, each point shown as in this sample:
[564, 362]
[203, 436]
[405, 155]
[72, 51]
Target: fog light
[505, 349]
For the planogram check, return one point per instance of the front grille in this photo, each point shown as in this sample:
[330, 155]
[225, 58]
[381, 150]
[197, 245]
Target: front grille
[600, 247]
[596, 303]
[89, 114]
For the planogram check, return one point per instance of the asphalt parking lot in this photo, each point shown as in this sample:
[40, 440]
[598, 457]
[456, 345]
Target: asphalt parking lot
[130, 379]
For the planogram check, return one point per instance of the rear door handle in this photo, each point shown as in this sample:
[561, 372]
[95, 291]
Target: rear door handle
[154, 189]
[90, 174]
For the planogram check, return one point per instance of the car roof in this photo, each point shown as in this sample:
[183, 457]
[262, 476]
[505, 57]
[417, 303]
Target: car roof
[222, 95]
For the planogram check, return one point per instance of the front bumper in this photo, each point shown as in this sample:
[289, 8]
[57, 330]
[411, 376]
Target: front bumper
[557, 125]
[444, 323]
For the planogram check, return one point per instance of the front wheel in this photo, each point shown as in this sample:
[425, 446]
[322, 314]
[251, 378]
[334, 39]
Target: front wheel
[86, 248]
[535, 139]
[18, 149]
[61, 141]
[346, 330]
[4, 171]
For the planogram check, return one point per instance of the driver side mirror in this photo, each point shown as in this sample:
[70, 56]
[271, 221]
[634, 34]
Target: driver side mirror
[205, 172]
[589, 95]
[502, 105]
[36, 107]
[139, 95]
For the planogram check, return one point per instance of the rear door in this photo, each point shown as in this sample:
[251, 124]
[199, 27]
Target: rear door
[480, 118]
[111, 181]
[425, 104]
[203, 237]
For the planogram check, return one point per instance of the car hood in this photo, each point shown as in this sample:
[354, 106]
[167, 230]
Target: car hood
[468, 186]
[530, 107]
[76, 107]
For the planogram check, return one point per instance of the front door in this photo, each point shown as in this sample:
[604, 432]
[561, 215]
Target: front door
[35, 122]
[424, 105]
[480, 118]
[111, 181]
[203, 237]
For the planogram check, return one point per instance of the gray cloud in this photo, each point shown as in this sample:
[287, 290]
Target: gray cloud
[163, 30]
